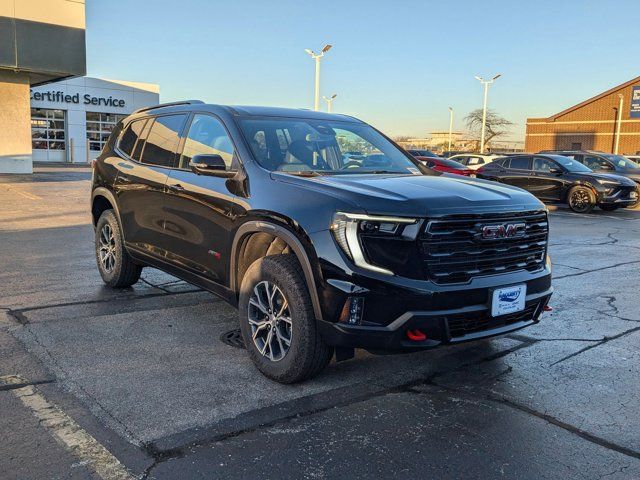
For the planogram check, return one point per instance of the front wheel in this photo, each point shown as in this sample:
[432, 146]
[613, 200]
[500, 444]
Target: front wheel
[277, 321]
[581, 199]
[114, 263]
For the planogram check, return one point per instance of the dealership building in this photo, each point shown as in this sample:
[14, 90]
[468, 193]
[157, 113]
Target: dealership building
[50, 112]
[609, 122]
[72, 119]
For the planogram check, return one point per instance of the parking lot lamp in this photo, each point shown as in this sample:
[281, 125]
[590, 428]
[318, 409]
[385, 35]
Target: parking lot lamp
[329, 101]
[621, 99]
[450, 126]
[486, 84]
[317, 57]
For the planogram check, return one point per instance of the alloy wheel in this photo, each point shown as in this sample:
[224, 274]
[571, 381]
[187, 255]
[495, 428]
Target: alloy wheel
[270, 321]
[580, 199]
[107, 248]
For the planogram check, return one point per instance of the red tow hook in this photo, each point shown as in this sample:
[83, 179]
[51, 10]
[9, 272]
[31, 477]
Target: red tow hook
[547, 308]
[416, 335]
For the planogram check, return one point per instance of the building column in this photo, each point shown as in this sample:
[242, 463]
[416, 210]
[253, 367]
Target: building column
[15, 123]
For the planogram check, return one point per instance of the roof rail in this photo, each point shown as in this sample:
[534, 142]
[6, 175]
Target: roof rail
[170, 104]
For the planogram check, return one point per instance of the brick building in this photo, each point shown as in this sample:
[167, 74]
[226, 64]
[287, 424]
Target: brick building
[592, 124]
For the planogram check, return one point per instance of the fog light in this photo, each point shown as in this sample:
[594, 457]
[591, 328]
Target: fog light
[352, 311]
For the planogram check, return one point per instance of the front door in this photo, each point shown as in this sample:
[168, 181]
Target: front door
[547, 184]
[200, 208]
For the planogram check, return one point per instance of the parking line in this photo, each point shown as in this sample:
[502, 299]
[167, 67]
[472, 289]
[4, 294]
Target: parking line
[30, 196]
[86, 448]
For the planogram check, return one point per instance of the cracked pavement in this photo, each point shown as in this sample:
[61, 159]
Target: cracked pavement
[144, 373]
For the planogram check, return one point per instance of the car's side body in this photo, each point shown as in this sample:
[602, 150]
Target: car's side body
[474, 160]
[543, 176]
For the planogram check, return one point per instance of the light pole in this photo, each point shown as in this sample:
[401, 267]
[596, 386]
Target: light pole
[621, 97]
[329, 101]
[450, 126]
[486, 84]
[317, 57]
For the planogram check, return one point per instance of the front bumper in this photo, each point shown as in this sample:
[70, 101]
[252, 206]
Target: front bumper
[441, 327]
[621, 197]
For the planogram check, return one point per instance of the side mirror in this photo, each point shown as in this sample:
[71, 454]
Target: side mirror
[209, 164]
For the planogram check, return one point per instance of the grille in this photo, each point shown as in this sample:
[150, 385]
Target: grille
[453, 251]
[461, 325]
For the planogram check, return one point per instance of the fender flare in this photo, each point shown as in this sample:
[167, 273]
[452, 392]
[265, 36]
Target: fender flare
[108, 194]
[291, 240]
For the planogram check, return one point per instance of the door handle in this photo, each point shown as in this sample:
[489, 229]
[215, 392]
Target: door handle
[176, 188]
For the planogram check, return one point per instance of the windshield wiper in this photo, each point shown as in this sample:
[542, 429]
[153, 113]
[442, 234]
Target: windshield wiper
[304, 173]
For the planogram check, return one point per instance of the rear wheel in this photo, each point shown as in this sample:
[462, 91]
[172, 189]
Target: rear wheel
[581, 199]
[114, 263]
[277, 321]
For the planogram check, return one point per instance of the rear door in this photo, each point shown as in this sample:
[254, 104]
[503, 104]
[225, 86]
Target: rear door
[200, 208]
[151, 145]
[518, 172]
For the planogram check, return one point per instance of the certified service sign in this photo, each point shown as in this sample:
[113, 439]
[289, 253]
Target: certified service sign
[635, 102]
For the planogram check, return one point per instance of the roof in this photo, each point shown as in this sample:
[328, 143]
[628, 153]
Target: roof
[597, 97]
[288, 112]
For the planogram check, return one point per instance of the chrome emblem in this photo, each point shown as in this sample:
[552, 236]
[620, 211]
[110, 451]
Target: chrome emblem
[505, 230]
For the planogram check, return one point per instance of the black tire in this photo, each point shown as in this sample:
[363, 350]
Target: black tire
[118, 269]
[581, 199]
[307, 354]
[608, 208]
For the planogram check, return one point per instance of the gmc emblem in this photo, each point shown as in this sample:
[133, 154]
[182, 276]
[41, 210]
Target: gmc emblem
[506, 230]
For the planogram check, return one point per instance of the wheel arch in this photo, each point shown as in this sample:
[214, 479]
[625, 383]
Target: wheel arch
[246, 230]
[101, 199]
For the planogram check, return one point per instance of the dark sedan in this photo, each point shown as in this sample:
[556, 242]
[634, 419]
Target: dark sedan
[557, 178]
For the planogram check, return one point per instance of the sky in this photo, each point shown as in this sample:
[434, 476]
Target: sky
[397, 64]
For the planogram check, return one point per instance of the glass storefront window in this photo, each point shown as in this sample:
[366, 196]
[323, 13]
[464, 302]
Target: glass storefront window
[47, 129]
[99, 126]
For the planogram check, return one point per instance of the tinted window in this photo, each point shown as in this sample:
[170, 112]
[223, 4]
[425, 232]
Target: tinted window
[162, 140]
[596, 163]
[520, 163]
[130, 136]
[208, 136]
[543, 164]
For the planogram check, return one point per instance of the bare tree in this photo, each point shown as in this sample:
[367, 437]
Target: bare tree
[496, 125]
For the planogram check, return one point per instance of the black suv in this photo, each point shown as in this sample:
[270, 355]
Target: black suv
[321, 252]
[601, 162]
[556, 178]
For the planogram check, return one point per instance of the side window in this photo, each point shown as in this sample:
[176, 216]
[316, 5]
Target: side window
[162, 140]
[462, 160]
[596, 163]
[543, 164]
[520, 163]
[130, 136]
[207, 136]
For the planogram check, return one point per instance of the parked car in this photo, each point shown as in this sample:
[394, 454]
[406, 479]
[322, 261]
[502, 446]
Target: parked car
[474, 160]
[256, 205]
[634, 158]
[445, 165]
[605, 163]
[423, 153]
[557, 178]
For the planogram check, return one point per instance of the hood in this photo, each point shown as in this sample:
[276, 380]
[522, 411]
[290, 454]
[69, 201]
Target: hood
[418, 195]
[622, 180]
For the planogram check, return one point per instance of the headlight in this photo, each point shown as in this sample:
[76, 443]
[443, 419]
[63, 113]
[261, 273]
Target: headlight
[609, 183]
[347, 228]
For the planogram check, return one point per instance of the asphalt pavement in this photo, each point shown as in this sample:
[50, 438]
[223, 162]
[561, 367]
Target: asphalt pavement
[136, 383]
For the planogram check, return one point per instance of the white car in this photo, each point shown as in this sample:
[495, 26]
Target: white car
[474, 160]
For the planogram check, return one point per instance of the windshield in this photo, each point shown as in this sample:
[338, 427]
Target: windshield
[307, 146]
[570, 164]
[622, 162]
